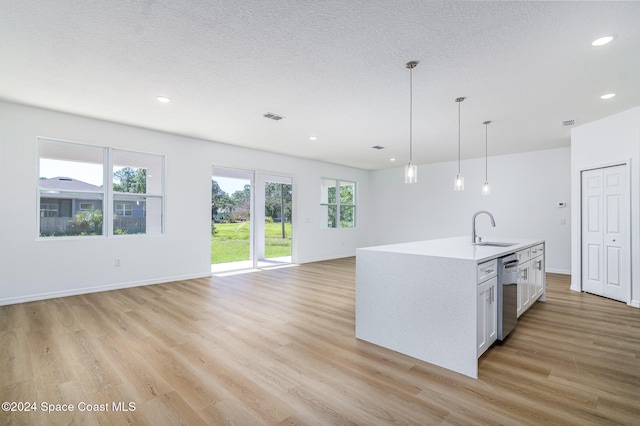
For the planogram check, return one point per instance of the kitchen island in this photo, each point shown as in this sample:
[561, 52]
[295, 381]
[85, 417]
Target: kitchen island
[422, 298]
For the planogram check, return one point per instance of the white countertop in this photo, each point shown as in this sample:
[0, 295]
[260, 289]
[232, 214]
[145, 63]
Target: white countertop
[457, 248]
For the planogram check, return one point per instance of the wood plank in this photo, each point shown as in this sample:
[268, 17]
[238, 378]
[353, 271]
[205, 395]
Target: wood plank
[277, 347]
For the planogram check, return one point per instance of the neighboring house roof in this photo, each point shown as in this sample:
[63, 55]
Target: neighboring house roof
[50, 187]
[68, 184]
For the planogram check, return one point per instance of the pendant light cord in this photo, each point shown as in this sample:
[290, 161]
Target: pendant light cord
[486, 153]
[459, 100]
[458, 137]
[486, 149]
[411, 114]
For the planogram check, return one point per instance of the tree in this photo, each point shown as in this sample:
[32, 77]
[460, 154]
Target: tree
[347, 199]
[274, 194]
[130, 179]
[219, 198]
[86, 223]
[242, 202]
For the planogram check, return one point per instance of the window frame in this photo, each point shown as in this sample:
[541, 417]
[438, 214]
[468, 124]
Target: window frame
[338, 203]
[107, 193]
[120, 209]
[48, 208]
[154, 197]
[85, 209]
[77, 153]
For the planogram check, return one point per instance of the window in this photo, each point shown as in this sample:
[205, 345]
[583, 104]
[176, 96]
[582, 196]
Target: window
[48, 210]
[72, 191]
[138, 192]
[123, 209]
[70, 178]
[337, 203]
[84, 207]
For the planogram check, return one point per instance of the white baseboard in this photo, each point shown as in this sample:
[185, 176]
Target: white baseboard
[87, 290]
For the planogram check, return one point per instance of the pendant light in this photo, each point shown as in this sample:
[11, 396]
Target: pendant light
[411, 170]
[486, 189]
[458, 184]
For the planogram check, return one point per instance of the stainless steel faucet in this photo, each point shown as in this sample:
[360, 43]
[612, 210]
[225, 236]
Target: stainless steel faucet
[473, 224]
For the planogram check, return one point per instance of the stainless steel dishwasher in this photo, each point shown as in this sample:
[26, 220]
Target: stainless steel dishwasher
[507, 295]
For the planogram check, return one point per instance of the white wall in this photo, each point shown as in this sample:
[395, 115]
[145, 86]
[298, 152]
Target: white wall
[525, 192]
[32, 269]
[600, 143]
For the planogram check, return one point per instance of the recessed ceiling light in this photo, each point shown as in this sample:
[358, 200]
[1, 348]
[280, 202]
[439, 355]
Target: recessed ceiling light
[163, 99]
[607, 96]
[313, 138]
[602, 41]
[392, 159]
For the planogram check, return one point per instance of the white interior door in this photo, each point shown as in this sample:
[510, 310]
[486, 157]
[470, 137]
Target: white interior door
[605, 232]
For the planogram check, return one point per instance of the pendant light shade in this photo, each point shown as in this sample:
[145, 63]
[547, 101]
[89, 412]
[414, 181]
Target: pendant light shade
[411, 170]
[458, 184]
[486, 189]
[410, 173]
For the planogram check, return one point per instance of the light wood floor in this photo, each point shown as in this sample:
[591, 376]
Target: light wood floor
[278, 347]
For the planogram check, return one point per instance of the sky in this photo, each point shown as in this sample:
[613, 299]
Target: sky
[231, 185]
[92, 173]
[85, 172]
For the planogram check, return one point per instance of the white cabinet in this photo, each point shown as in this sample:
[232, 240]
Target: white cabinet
[487, 270]
[487, 332]
[524, 255]
[531, 277]
[538, 276]
[524, 273]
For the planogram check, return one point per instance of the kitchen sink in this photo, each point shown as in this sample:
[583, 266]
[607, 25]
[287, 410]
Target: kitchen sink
[495, 244]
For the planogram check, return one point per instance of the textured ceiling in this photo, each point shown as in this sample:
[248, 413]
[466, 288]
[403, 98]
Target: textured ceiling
[333, 69]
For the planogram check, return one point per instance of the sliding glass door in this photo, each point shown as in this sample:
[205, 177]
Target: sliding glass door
[274, 243]
[251, 219]
[231, 225]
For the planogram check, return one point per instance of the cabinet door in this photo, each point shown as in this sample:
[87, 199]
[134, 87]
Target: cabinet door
[483, 295]
[519, 289]
[487, 320]
[524, 280]
[531, 285]
[538, 277]
[492, 312]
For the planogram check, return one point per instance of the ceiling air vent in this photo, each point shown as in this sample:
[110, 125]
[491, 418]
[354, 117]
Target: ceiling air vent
[568, 123]
[273, 116]
[377, 147]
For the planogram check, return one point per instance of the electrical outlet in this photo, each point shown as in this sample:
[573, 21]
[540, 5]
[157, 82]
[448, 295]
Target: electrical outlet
[563, 221]
[117, 262]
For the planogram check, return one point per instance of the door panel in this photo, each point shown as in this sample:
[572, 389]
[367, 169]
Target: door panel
[274, 225]
[613, 213]
[613, 266]
[593, 259]
[593, 213]
[605, 232]
[231, 215]
[592, 234]
[617, 233]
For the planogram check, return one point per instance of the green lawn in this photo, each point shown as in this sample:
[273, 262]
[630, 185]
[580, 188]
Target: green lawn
[231, 242]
